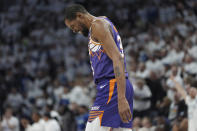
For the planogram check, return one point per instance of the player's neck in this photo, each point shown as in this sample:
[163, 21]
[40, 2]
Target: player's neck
[90, 19]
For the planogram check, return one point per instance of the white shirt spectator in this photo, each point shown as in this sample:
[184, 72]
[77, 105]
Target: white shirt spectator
[153, 46]
[143, 74]
[145, 92]
[13, 121]
[191, 68]
[190, 17]
[154, 65]
[77, 95]
[171, 85]
[52, 125]
[193, 51]
[34, 91]
[182, 28]
[15, 100]
[37, 126]
[173, 57]
[192, 117]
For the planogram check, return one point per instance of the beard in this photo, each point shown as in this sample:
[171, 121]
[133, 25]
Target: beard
[84, 31]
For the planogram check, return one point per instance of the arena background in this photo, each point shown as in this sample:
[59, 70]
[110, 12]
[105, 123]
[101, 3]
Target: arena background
[45, 71]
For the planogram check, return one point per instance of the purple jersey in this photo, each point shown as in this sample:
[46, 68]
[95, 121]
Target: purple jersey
[101, 64]
[106, 103]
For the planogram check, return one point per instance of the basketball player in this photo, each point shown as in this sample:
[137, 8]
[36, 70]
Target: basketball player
[113, 106]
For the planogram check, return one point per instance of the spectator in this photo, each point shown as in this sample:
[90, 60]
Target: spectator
[163, 106]
[142, 71]
[155, 83]
[142, 97]
[170, 83]
[190, 100]
[68, 119]
[82, 118]
[161, 124]
[154, 65]
[37, 122]
[25, 122]
[9, 122]
[136, 124]
[40, 59]
[190, 65]
[147, 125]
[14, 99]
[178, 108]
[50, 124]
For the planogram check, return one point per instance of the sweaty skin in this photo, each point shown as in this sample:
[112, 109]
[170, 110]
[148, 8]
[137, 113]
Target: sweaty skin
[100, 31]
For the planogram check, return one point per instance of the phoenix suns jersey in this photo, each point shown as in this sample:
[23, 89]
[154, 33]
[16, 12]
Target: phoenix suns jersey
[101, 64]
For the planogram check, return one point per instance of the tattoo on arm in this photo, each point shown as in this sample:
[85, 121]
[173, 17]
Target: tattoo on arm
[117, 71]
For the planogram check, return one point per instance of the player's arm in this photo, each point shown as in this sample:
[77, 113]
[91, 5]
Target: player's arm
[179, 88]
[101, 32]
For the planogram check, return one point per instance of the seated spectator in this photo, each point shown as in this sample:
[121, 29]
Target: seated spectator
[142, 98]
[14, 99]
[38, 124]
[136, 124]
[190, 65]
[9, 122]
[147, 125]
[155, 44]
[161, 124]
[78, 95]
[50, 124]
[142, 71]
[25, 122]
[193, 49]
[133, 71]
[154, 64]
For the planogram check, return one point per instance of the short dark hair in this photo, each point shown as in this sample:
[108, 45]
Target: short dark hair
[72, 10]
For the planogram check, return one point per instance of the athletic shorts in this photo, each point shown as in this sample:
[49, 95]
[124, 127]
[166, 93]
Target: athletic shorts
[95, 126]
[105, 106]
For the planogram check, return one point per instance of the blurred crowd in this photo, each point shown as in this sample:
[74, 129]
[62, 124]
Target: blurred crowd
[45, 78]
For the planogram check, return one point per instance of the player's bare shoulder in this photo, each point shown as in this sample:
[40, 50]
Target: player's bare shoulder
[100, 27]
[99, 22]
